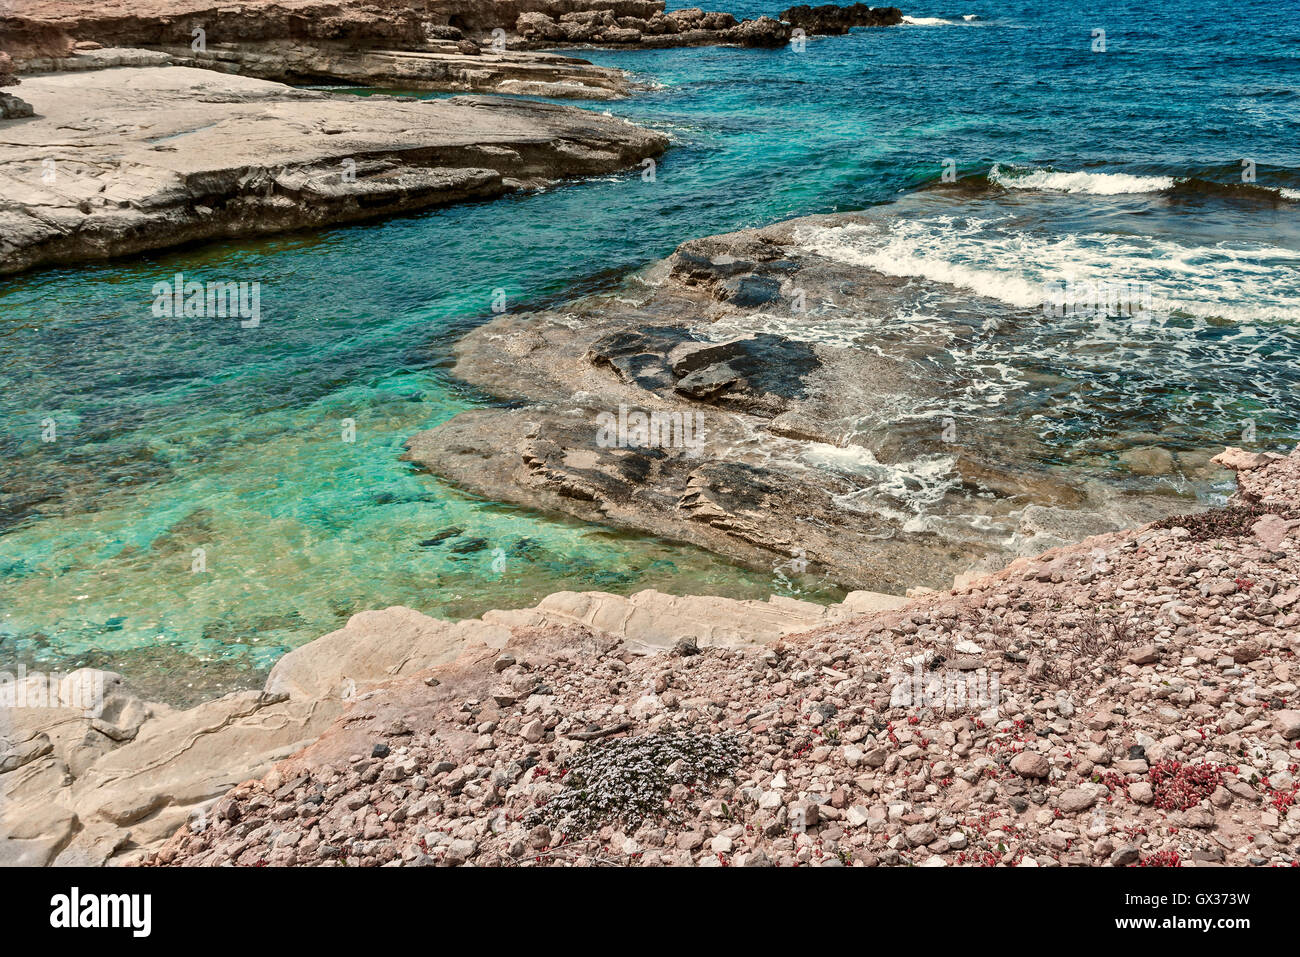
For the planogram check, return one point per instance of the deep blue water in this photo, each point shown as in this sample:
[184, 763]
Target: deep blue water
[184, 434]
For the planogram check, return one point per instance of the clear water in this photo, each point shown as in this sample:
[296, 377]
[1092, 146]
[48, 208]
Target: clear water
[176, 435]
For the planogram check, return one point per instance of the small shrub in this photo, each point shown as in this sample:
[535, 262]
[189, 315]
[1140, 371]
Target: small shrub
[628, 780]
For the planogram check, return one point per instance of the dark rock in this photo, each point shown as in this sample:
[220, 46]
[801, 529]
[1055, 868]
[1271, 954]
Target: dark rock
[750, 290]
[469, 545]
[763, 32]
[441, 536]
[12, 108]
[831, 19]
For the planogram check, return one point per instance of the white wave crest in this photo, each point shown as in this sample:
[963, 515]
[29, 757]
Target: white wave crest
[993, 259]
[1096, 184]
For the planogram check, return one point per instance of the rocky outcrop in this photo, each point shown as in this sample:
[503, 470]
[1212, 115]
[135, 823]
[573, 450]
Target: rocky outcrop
[11, 107]
[1119, 702]
[831, 19]
[89, 773]
[687, 27]
[52, 28]
[383, 41]
[381, 44]
[693, 26]
[739, 396]
[144, 158]
[479, 19]
[7, 74]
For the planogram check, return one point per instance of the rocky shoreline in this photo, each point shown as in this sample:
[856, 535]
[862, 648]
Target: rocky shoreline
[106, 785]
[693, 26]
[145, 158]
[1120, 701]
[454, 45]
[144, 174]
[1066, 682]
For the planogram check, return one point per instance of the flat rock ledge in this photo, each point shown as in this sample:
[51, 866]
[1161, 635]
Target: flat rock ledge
[130, 159]
[454, 66]
[79, 788]
[1127, 701]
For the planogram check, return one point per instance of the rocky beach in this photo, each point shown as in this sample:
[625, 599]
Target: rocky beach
[1120, 701]
[655, 442]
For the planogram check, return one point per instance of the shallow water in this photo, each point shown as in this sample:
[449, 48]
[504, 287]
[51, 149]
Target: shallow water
[176, 435]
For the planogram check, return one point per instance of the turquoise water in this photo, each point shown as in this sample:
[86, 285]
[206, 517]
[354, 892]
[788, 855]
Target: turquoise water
[176, 435]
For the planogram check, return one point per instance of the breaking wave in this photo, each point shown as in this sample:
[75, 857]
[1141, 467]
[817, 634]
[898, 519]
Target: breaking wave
[991, 257]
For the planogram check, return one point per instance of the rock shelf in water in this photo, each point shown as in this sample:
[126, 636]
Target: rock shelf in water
[138, 158]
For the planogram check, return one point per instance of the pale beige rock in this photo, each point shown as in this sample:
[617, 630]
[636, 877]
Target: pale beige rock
[652, 620]
[1240, 460]
[374, 646]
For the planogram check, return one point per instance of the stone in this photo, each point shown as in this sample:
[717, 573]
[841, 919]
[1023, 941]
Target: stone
[1144, 655]
[1074, 800]
[533, 731]
[1124, 856]
[918, 835]
[1030, 764]
[1147, 460]
[1287, 723]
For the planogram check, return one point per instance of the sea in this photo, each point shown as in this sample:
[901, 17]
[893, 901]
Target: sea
[183, 500]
